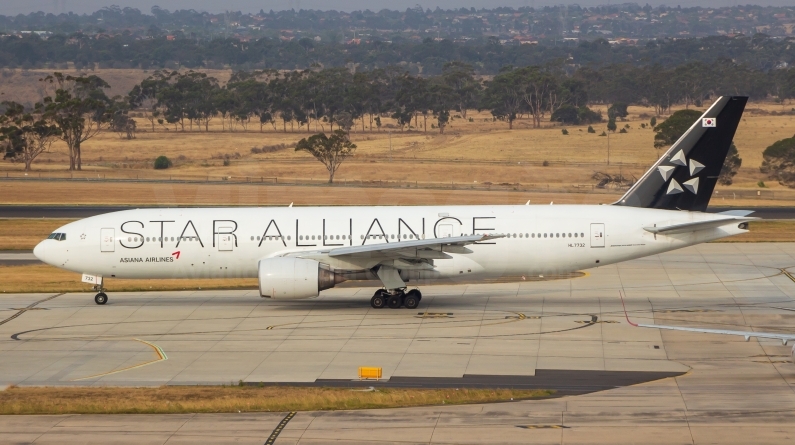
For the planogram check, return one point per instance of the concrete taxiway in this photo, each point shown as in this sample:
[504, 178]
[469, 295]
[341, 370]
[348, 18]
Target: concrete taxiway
[725, 390]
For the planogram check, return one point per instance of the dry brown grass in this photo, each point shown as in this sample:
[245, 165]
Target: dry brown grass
[781, 231]
[45, 278]
[172, 194]
[24, 86]
[465, 154]
[214, 399]
[24, 234]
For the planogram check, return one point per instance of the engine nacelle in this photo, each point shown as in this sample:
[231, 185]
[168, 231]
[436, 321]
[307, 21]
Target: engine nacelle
[289, 278]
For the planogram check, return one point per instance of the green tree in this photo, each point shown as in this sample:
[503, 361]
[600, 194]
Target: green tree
[25, 135]
[162, 163]
[617, 110]
[504, 96]
[331, 151]
[79, 108]
[779, 162]
[611, 125]
[143, 96]
[671, 129]
[466, 89]
[566, 114]
[731, 165]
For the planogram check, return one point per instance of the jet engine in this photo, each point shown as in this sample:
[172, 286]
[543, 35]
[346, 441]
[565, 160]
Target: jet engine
[288, 278]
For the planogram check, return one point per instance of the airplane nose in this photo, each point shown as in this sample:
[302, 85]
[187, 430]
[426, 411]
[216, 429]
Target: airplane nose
[39, 251]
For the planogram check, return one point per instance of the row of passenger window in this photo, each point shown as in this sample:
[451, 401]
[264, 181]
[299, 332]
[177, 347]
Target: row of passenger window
[62, 237]
[545, 235]
[135, 239]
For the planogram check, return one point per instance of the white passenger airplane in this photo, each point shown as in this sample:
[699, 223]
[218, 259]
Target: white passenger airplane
[298, 252]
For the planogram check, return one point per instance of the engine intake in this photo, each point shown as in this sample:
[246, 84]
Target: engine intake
[295, 278]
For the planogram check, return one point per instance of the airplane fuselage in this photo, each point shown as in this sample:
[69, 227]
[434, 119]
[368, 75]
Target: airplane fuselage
[229, 242]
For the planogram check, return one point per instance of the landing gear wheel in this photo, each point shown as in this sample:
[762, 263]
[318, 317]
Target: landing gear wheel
[100, 298]
[395, 301]
[411, 301]
[378, 301]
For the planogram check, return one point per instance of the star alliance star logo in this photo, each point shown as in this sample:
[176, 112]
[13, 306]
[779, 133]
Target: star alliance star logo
[668, 170]
[83, 236]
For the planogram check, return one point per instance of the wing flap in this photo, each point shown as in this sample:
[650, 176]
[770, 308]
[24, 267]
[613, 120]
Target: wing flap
[434, 247]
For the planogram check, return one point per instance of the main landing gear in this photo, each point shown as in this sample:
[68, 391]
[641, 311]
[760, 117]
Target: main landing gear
[396, 298]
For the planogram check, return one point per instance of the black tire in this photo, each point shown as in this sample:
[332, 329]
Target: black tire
[411, 301]
[378, 301]
[100, 298]
[395, 301]
[416, 293]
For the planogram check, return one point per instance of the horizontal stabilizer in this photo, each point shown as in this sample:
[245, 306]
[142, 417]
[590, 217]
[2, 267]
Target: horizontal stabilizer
[736, 212]
[693, 226]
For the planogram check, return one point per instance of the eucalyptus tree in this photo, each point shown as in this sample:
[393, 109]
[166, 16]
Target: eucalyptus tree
[26, 134]
[329, 150]
[79, 108]
[504, 95]
[143, 96]
[412, 98]
[459, 77]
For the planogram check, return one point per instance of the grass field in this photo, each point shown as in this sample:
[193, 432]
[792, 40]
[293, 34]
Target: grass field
[24, 234]
[233, 399]
[469, 153]
[45, 278]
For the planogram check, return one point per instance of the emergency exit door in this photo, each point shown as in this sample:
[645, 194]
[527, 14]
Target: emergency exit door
[107, 240]
[597, 235]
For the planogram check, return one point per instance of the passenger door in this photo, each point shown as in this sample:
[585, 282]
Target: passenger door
[107, 239]
[597, 235]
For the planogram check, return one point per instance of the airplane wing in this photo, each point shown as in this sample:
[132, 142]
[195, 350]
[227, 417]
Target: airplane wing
[433, 248]
[785, 338]
[698, 225]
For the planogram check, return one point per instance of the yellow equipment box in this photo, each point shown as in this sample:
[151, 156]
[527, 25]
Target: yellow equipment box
[369, 373]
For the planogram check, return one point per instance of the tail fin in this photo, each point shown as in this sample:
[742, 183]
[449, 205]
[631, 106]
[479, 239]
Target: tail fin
[685, 176]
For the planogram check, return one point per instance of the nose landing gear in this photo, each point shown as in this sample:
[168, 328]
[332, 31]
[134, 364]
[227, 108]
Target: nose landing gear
[101, 298]
[396, 298]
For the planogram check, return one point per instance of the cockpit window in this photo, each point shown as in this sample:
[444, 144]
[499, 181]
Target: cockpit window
[52, 236]
[57, 236]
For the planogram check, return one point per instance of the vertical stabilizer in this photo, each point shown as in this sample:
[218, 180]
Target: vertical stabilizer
[685, 176]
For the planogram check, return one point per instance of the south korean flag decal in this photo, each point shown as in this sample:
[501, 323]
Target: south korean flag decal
[709, 122]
